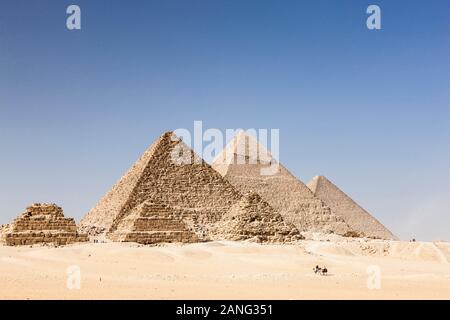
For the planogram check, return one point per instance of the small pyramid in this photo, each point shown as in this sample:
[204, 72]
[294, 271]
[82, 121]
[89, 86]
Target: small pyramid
[153, 222]
[343, 206]
[242, 163]
[168, 173]
[252, 218]
[42, 223]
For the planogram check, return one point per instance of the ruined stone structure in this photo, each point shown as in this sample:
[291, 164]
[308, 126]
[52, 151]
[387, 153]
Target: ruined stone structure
[243, 162]
[42, 223]
[343, 206]
[254, 219]
[168, 191]
[153, 222]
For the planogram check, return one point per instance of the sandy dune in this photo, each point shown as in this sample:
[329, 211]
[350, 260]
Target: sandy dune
[228, 270]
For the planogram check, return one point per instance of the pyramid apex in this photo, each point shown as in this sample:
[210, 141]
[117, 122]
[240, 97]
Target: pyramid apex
[241, 133]
[243, 145]
[167, 134]
[312, 185]
[170, 135]
[320, 178]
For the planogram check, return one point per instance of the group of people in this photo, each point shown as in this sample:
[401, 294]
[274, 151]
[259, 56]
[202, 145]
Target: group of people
[323, 271]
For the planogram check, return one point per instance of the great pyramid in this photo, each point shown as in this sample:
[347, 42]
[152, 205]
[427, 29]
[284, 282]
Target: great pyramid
[242, 162]
[41, 223]
[158, 192]
[252, 218]
[343, 206]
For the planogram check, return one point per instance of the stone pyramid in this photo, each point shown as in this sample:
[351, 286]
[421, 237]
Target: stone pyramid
[42, 223]
[343, 206]
[153, 222]
[190, 190]
[242, 162]
[252, 218]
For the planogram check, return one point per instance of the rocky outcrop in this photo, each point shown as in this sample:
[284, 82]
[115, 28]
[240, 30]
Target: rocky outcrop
[42, 223]
[254, 219]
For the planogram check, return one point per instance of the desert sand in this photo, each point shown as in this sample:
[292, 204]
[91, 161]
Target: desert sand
[228, 270]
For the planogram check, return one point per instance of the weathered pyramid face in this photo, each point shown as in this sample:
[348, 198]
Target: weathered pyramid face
[343, 206]
[42, 223]
[245, 149]
[254, 219]
[153, 222]
[168, 173]
[284, 192]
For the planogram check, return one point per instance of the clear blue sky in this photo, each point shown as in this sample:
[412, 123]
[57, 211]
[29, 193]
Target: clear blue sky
[368, 109]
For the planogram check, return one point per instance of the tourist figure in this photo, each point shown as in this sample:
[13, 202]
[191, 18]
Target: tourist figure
[324, 271]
